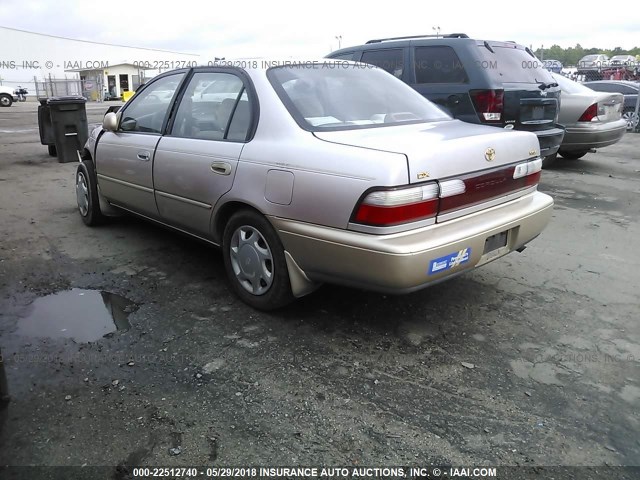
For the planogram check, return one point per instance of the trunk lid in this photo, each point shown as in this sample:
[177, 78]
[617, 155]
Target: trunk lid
[530, 108]
[445, 149]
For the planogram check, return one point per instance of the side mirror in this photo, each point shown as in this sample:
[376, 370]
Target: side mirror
[110, 122]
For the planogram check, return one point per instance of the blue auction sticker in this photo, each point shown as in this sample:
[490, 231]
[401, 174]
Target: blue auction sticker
[447, 262]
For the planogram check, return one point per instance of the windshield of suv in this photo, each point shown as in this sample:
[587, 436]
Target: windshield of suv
[346, 95]
[511, 63]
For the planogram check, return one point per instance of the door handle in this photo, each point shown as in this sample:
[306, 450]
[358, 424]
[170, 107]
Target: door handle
[144, 156]
[221, 168]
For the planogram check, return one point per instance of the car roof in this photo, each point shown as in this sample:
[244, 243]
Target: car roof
[417, 40]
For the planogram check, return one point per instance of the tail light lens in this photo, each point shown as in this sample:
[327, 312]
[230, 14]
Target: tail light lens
[530, 171]
[384, 208]
[589, 114]
[488, 103]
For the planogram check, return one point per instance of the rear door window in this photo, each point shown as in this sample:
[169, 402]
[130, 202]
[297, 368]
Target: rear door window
[439, 64]
[391, 60]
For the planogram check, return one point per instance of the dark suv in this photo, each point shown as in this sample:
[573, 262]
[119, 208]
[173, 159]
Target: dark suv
[501, 84]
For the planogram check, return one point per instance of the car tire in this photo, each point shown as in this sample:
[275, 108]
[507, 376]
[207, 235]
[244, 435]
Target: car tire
[573, 155]
[255, 262]
[52, 150]
[628, 115]
[549, 160]
[5, 100]
[87, 194]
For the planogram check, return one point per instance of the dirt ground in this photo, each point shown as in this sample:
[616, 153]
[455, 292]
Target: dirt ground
[531, 360]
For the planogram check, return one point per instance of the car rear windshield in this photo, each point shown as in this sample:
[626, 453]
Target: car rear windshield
[569, 86]
[333, 95]
[511, 63]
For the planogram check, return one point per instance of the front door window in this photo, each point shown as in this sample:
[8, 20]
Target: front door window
[147, 112]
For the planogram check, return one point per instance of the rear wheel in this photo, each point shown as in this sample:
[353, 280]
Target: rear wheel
[254, 261]
[52, 150]
[574, 154]
[87, 194]
[5, 100]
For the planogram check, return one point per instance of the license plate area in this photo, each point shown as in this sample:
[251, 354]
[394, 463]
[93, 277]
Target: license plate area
[495, 246]
[494, 242]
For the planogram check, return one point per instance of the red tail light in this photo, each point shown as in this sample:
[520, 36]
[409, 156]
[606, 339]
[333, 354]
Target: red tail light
[384, 208]
[390, 207]
[589, 114]
[488, 103]
[480, 187]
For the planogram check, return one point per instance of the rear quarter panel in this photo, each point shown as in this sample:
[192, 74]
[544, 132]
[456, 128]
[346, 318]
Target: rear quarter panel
[328, 179]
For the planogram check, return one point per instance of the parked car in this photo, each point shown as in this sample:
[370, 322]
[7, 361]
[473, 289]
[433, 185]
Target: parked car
[590, 67]
[501, 84]
[593, 62]
[7, 96]
[628, 61]
[343, 174]
[554, 66]
[628, 89]
[592, 119]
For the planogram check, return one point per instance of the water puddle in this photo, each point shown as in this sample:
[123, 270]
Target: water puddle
[83, 315]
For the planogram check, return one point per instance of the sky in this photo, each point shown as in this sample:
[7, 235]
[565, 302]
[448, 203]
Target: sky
[251, 28]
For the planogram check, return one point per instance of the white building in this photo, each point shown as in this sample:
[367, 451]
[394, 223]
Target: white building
[28, 56]
[113, 80]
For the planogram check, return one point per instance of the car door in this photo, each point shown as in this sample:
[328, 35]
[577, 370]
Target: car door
[195, 164]
[124, 158]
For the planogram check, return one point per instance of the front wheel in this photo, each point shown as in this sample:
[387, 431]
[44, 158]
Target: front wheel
[574, 154]
[5, 100]
[629, 115]
[87, 194]
[254, 261]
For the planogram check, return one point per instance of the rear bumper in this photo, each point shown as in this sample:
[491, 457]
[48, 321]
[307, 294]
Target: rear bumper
[550, 140]
[593, 135]
[408, 261]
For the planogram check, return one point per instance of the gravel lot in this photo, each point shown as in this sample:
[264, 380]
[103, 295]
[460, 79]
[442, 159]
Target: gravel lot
[531, 360]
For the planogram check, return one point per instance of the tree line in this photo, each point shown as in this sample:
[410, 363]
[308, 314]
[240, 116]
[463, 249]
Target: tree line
[572, 55]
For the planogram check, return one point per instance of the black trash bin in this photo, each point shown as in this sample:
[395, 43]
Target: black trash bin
[45, 127]
[70, 128]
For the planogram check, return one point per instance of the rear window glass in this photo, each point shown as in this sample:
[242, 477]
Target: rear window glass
[569, 86]
[512, 64]
[438, 65]
[347, 96]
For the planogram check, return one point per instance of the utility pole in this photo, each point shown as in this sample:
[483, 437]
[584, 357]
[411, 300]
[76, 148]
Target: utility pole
[437, 30]
[339, 38]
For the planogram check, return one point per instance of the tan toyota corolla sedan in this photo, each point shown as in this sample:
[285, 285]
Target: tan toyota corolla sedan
[312, 172]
